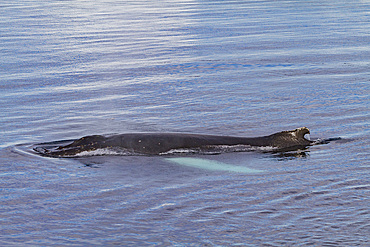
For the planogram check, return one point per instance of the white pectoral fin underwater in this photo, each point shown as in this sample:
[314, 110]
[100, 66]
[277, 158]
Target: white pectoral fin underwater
[211, 165]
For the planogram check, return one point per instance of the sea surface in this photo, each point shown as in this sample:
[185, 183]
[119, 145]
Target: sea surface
[246, 68]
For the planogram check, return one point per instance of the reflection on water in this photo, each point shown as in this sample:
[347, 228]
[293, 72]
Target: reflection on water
[292, 154]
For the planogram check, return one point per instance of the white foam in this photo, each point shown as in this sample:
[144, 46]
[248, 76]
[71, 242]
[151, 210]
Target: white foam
[181, 151]
[102, 152]
[218, 149]
[266, 149]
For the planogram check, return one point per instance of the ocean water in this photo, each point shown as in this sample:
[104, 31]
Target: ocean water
[245, 68]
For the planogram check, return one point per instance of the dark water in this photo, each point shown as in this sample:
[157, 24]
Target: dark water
[248, 68]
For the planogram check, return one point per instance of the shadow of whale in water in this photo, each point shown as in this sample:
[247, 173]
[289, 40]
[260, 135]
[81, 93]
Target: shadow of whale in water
[167, 143]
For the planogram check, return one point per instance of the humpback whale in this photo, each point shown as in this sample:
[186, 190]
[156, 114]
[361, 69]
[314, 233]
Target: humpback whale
[162, 143]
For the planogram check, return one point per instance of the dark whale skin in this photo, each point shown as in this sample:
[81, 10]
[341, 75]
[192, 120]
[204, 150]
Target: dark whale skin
[158, 143]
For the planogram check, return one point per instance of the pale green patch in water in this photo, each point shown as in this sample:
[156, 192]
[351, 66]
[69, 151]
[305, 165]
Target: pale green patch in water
[212, 165]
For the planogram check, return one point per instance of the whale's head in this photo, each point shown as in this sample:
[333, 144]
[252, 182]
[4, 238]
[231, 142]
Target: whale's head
[88, 143]
[291, 139]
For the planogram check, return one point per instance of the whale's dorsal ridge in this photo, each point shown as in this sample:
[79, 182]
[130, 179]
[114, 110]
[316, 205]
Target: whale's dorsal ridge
[298, 133]
[301, 132]
[290, 138]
